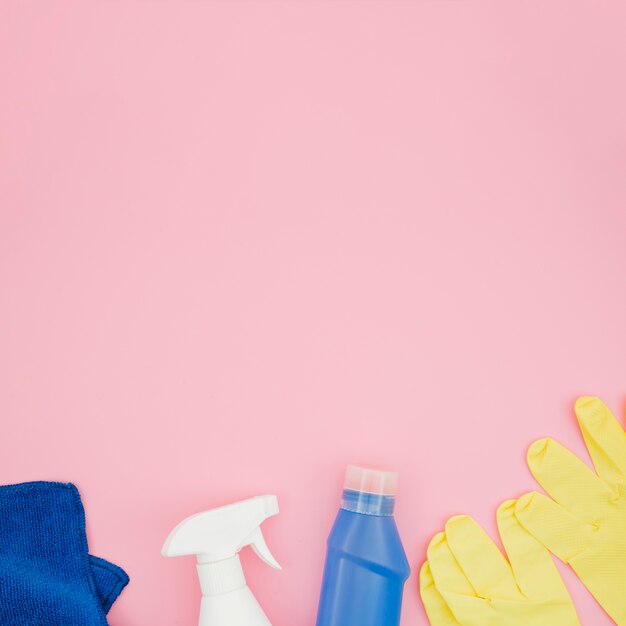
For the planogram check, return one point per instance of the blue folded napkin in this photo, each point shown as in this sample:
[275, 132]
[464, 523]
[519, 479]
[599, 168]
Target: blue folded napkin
[47, 576]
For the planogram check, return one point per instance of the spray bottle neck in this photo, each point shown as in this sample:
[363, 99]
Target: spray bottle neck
[221, 577]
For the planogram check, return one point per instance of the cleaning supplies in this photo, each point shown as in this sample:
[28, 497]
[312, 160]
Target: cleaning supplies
[46, 573]
[366, 566]
[109, 580]
[215, 537]
[468, 582]
[585, 524]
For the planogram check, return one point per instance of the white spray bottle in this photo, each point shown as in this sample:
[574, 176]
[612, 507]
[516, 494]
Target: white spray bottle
[215, 537]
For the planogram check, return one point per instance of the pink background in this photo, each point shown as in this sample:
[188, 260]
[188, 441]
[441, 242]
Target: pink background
[246, 243]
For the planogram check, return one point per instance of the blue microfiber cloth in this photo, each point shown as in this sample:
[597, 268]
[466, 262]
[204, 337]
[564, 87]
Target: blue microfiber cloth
[110, 579]
[47, 576]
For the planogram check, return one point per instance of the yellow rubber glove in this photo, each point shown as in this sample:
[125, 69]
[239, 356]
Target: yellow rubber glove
[468, 582]
[439, 613]
[586, 526]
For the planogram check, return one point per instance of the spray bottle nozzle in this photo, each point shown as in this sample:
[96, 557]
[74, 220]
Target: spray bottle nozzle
[221, 533]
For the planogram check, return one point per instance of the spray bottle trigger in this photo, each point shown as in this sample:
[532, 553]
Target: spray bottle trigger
[257, 542]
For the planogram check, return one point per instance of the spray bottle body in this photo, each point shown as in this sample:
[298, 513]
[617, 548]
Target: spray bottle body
[236, 608]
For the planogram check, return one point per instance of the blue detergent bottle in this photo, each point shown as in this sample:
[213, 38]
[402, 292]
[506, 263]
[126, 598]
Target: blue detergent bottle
[366, 566]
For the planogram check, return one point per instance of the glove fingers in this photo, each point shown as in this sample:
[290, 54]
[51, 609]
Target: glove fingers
[445, 569]
[453, 585]
[532, 564]
[480, 559]
[439, 613]
[605, 439]
[568, 480]
[555, 527]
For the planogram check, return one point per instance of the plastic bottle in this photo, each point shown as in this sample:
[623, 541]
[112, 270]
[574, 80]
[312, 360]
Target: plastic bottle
[366, 566]
[216, 537]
